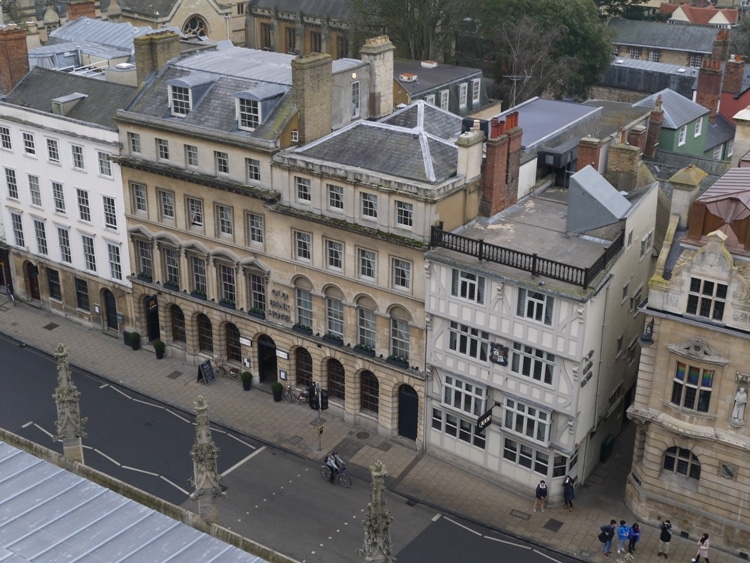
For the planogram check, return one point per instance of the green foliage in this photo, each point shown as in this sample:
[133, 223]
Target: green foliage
[135, 337]
[159, 346]
[277, 387]
[740, 38]
[246, 376]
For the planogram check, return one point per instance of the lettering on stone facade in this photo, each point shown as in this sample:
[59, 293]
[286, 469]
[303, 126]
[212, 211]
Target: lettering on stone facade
[741, 317]
[279, 307]
[672, 299]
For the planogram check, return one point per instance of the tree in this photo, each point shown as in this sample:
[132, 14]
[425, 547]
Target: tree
[740, 38]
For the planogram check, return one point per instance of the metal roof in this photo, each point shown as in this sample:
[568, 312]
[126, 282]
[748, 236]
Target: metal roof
[689, 38]
[119, 35]
[430, 78]
[678, 110]
[50, 514]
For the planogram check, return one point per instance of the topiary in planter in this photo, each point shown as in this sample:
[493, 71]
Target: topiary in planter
[276, 389]
[159, 348]
[247, 380]
[135, 340]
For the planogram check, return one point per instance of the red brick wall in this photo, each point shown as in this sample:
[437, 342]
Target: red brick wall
[80, 9]
[14, 56]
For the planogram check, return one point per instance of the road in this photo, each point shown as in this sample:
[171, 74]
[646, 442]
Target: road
[271, 496]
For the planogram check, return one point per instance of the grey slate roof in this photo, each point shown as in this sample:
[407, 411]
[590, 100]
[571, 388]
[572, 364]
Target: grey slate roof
[432, 119]
[688, 38]
[430, 78]
[334, 9]
[719, 132]
[118, 35]
[48, 513]
[678, 110]
[148, 8]
[40, 86]
[402, 152]
[648, 76]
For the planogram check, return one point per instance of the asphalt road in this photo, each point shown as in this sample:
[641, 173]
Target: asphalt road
[274, 497]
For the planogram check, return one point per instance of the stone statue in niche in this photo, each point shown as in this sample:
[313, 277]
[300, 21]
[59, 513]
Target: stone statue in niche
[740, 402]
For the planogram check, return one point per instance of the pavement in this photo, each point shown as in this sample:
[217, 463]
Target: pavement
[412, 474]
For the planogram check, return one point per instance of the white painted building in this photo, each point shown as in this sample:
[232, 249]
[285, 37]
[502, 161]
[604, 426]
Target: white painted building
[532, 318]
[63, 198]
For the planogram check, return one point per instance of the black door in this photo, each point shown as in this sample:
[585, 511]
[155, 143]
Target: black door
[152, 317]
[267, 370]
[408, 412]
[110, 309]
[32, 274]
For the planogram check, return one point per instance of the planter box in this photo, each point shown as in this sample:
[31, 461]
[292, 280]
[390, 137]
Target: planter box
[302, 330]
[398, 363]
[200, 296]
[227, 305]
[363, 352]
[333, 341]
[146, 279]
[171, 286]
[255, 315]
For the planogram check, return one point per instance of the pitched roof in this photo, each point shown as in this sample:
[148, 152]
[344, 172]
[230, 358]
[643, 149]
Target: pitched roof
[719, 132]
[102, 99]
[701, 16]
[429, 78]
[409, 153]
[678, 110]
[648, 76]
[334, 9]
[432, 119]
[152, 8]
[117, 35]
[691, 39]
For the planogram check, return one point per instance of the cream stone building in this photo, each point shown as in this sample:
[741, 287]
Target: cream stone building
[692, 441]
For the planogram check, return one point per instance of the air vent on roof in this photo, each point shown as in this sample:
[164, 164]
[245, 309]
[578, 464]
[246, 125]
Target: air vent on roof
[429, 64]
[620, 61]
[125, 66]
[407, 77]
[680, 69]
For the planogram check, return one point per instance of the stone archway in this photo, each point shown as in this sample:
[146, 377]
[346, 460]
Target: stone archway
[267, 367]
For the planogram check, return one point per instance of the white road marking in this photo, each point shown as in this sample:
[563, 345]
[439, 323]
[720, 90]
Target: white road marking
[242, 461]
[507, 542]
[29, 423]
[175, 485]
[547, 556]
[121, 392]
[182, 418]
[43, 430]
[141, 471]
[462, 526]
[241, 441]
[437, 517]
[105, 456]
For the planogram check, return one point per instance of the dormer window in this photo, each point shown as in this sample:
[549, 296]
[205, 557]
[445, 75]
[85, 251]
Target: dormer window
[248, 114]
[179, 100]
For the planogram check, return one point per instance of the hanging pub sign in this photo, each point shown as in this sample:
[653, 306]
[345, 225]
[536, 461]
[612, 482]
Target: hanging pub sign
[484, 421]
[499, 354]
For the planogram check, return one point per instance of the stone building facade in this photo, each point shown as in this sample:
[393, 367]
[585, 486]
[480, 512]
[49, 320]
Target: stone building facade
[692, 437]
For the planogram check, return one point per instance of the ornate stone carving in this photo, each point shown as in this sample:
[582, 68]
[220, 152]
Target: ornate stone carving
[69, 421]
[377, 547]
[697, 349]
[206, 477]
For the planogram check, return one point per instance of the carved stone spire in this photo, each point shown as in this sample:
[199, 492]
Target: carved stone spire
[377, 548]
[206, 476]
[69, 421]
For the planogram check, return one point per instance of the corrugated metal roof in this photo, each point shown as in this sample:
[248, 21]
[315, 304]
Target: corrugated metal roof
[678, 110]
[49, 514]
[689, 38]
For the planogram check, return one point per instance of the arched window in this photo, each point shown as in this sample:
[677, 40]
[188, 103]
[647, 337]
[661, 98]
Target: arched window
[194, 27]
[682, 462]
[178, 323]
[336, 380]
[205, 334]
[233, 343]
[369, 391]
[303, 367]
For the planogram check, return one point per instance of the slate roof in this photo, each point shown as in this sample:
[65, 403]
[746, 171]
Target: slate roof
[689, 38]
[678, 110]
[48, 513]
[407, 153]
[117, 35]
[334, 9]
[37, 89]
[719, 132]
[432, 119]
[648, 76]
[430, 78]
[149, 8]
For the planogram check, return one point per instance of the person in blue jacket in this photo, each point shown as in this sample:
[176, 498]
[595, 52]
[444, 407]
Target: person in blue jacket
[623, 534]
[634, 537]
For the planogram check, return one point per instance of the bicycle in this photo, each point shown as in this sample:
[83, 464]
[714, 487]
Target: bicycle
[344, 479]
[290, 394]
[225, 369]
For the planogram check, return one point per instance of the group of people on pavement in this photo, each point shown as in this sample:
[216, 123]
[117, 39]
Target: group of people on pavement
[625, 534]
[541, 493]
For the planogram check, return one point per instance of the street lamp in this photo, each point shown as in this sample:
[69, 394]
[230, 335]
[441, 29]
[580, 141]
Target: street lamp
[647, 338]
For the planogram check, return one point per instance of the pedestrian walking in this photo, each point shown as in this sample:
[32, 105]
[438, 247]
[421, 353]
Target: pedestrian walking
[623, 533]
[665, 536]
[541, 495]
[606, 537]
[634, 537]
[702, 549]
[569, 493]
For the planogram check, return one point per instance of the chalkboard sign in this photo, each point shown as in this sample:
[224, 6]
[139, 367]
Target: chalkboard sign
[206, 372]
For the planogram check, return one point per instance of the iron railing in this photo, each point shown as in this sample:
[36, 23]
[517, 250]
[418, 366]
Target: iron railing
[528, 262]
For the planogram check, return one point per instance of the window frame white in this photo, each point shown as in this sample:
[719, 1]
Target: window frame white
[527, 420]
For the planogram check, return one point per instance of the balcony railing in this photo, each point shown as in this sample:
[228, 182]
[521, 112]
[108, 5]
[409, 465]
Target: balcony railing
[527, 262]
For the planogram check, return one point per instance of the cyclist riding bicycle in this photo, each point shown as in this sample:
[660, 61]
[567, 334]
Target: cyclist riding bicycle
[335, 463]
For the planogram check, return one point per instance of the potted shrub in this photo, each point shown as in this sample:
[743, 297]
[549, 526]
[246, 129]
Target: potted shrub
[257, 313]
[364, 349]
[333, 339]
[159, 347]
[276, 389]
[135, 340]
[398, 361]
[228, 303]
[302, 329]
[247, 380]
[199, 293]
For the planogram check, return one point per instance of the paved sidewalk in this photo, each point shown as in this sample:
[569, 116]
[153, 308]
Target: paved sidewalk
[293, 427]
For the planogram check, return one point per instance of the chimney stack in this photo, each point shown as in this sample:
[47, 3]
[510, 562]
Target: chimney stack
[312, 86]
[81, 8]
[622, 166]
[14, 56]
[637, 137]
[733, 72]
[378, 52]
[470, 151]
[720, 48]
[589, 152]
[501, 166]
[152, 52]
[709, 87]
[654, 129]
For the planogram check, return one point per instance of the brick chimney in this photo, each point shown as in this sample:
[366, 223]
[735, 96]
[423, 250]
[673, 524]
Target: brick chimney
[733, 72]
[654, 129]
[378, 51]
[709, 87]
[720, 48]
[81, 8]
[589, 152]
[637, 137]
[501, 165]
[14, 56]
[153, 51]
[312, 86]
